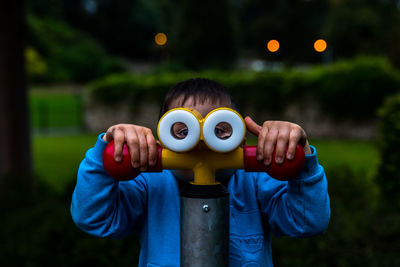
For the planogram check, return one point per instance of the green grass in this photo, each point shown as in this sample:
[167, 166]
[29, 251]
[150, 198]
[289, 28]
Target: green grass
[57, 158]
[55, 108]
[355, 154]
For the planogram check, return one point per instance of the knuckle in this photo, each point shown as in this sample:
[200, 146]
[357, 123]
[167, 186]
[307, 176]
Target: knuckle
[271, 135]
[131, 127]
[297, 127]
[132, 141]
[267, 124]
[118, 136]
[119, 127]
[294, 138]
[143, 146]
[295, 133]
[118, 131]
[142, 130]
[152, 143]
[282, 137]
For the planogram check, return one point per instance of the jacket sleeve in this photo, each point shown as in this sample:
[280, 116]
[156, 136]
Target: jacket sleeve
[299, 207]
[102, 206]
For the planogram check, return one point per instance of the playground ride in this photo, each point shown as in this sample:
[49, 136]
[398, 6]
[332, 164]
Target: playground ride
[203, 145]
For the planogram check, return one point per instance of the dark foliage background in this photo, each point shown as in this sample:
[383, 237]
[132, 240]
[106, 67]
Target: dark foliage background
[107, 47]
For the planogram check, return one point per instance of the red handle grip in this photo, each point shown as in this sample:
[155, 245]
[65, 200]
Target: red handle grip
[123, 170]
[289, 169]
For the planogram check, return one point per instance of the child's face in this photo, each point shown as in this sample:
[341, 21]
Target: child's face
[223, 130]
[203, 109]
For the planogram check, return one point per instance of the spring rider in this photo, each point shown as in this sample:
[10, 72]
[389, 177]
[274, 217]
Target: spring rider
[203, 145]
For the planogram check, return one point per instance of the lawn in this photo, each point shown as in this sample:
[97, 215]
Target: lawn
[52, 109]
[357, 155]
[57, 158]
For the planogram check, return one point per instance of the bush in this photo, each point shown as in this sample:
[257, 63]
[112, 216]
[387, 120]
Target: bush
[35, 65]
[347, 89]
[69, 55]
[117, 88]
[387, 232]
[261, 90]
[37, 230]
[356, 87]
[349, 239]
[388, 174]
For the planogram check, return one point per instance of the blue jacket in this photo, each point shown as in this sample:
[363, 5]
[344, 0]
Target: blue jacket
[149, 205]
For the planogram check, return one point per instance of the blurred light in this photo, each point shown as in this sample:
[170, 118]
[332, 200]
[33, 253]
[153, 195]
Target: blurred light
[258, 65]
[320, 45]
[160, 39]
[273, 46]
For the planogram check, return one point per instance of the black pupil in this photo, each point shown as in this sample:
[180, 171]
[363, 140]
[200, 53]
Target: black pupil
[183, 132]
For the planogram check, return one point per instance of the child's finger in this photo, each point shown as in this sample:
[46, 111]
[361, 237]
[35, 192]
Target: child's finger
[294, 139]
[143, 154]
[261, 142]
[119, 139]
[269, 145]
[133, 144]
[153, 151]
[281, 145]
[252, 126]
[108, 136]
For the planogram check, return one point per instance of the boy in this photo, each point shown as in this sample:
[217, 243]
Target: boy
[149, 204]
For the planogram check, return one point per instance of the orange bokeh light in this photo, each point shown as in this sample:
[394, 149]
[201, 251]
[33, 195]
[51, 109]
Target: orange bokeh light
[160, 39]
[320, 45]
[273, 46]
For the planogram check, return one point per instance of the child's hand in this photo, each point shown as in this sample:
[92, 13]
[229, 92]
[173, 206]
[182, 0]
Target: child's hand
[281, 135]
[141, 143]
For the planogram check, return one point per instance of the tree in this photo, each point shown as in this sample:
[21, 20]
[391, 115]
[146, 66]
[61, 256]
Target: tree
[15, 149]
[364, 27]
[295, 24]
[125, 27]
[206, 34]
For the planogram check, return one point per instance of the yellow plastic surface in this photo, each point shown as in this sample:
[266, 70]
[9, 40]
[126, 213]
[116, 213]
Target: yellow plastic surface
[203, 161]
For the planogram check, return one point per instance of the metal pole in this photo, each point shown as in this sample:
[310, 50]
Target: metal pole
[204, 226]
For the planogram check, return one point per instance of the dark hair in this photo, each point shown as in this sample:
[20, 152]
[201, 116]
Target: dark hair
[201, 90]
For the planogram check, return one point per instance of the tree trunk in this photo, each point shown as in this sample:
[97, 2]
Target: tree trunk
[15, 148]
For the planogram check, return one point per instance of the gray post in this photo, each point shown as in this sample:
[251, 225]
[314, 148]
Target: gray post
[204, 226]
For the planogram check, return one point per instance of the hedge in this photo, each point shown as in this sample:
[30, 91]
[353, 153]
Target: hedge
[388, 173]
[345, 89]
[58, 53]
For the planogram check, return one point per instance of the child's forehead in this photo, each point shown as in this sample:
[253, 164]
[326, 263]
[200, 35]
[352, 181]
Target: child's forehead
[204, 106]
[187, 101]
